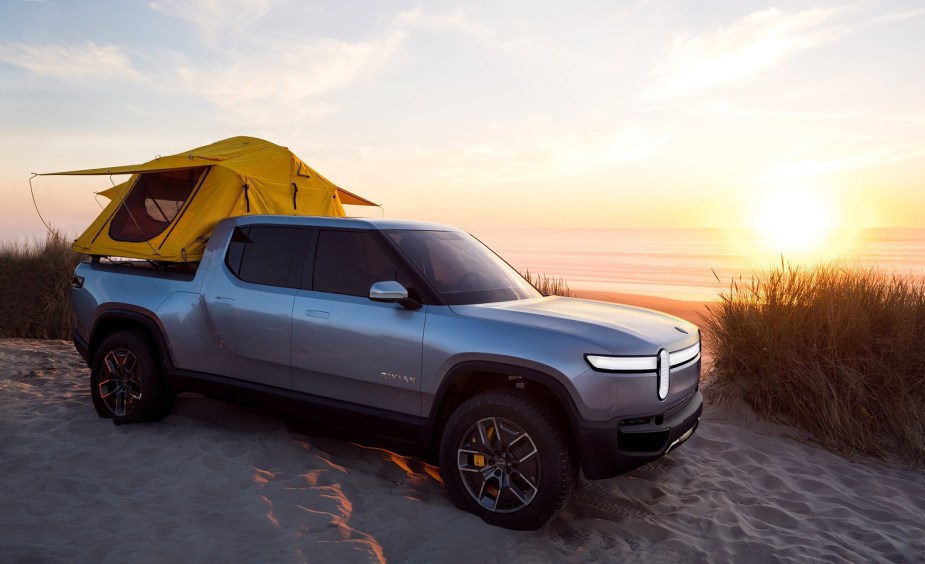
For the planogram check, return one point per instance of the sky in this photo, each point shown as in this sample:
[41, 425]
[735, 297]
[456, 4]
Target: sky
[486, 113]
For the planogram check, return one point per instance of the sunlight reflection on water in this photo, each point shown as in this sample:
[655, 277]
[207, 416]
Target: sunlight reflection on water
[679, 263]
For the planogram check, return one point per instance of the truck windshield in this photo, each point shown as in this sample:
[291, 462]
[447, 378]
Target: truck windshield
[460, 268]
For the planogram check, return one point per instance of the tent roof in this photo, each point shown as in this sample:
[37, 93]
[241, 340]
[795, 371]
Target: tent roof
[236, 153]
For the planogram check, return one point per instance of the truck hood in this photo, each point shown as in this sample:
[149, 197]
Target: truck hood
[618, 329]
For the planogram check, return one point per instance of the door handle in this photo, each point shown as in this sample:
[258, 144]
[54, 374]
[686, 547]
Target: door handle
[317, 313]
[223, 298]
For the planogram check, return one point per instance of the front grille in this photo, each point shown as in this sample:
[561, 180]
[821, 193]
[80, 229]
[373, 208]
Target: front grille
[678, 406]
[659, 418]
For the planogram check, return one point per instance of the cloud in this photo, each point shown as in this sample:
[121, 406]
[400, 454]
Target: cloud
[898, 16]
[533, 152]
[727, 110]
[212, 16]
[866, 158]
[697, 62]
[625, 146]
[87, 61]
[282, 76]
[286, 75]
[454, 22]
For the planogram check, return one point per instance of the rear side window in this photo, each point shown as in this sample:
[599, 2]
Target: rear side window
[153, 203]
[349, 262]
[267, 255]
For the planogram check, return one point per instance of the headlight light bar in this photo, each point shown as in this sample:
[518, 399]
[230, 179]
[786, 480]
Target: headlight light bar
[641, 363]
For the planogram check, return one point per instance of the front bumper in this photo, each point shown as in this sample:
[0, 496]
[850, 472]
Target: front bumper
[610, 448]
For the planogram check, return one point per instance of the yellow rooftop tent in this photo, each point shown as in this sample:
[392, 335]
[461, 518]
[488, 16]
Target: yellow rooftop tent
[169, 207]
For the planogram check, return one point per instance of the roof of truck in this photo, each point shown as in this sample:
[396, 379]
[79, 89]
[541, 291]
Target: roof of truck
[356, 222]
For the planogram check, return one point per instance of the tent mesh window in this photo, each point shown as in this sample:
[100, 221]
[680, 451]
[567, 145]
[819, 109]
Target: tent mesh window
[154, 202]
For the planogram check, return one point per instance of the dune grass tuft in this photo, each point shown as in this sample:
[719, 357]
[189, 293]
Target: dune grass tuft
[548, 286]
[35, 288]
[838, 352]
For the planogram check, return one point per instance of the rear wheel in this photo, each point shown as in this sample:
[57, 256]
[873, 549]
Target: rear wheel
[504, 456]
[126, 380]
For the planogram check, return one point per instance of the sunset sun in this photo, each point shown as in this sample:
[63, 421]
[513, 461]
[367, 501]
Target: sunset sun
[795, 220]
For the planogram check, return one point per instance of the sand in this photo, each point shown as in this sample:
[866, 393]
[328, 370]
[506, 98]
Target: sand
[215, 482]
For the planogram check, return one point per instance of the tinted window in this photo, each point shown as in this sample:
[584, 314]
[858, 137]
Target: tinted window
[153, 203]
[461, 268]
[267, 255]
[349, 262]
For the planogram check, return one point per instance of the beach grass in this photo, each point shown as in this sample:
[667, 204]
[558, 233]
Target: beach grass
[839, 352]
[548, 286]
[35, 288]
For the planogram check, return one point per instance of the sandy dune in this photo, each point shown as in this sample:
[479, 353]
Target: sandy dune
[219, 483]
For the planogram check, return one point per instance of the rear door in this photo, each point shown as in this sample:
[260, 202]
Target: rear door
[345, 346]
[249, 300]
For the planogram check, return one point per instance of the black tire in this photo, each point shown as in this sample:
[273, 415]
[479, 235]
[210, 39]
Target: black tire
[487, 465]
[127, 382]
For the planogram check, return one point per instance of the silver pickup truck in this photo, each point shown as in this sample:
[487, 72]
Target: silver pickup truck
[406, 329]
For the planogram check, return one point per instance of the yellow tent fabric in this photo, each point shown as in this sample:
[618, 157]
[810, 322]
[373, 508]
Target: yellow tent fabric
[170, 205]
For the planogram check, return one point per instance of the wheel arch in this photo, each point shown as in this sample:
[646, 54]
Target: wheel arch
[472, 377]
[124, 317]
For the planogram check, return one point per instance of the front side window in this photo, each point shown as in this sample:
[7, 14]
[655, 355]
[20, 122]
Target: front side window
[350, 262]
[272, 256]
[154, 201]
[461, 268]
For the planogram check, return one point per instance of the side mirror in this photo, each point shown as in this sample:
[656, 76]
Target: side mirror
[391, 291]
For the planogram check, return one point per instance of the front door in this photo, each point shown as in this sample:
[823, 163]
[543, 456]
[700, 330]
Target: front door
[347, 347]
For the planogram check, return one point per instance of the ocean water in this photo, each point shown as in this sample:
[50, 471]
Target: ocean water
[691, 264]
[673, 263]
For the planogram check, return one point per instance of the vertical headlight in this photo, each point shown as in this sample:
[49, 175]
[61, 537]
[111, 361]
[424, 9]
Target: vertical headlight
[664, 373]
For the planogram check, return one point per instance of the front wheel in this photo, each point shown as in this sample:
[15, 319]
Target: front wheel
[505, 457]
[126, 380]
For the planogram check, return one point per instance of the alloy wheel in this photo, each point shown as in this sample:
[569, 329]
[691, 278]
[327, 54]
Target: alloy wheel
[499, 465]
[120, 382]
